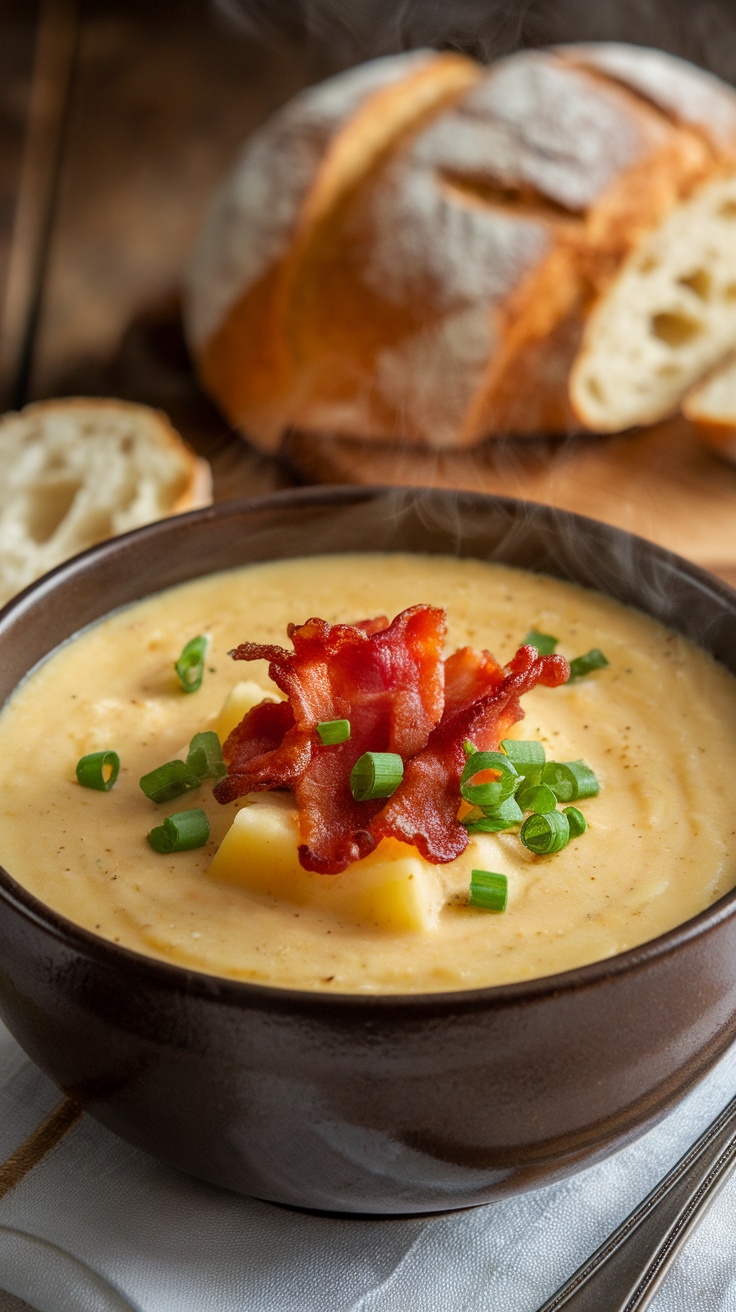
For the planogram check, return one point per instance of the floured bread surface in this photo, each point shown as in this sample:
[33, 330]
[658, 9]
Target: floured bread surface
[293, 174]
[685, 93]
[255, 215]
[668, 317]
[78, 471]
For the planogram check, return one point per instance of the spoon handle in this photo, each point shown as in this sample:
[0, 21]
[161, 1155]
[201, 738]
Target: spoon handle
[624, 1274]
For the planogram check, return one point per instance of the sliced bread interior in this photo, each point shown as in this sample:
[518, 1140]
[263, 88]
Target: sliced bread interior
[711, 406]
[668, 316]
[76, 471]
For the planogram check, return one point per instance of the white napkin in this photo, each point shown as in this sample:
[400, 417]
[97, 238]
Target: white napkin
[96, 1216]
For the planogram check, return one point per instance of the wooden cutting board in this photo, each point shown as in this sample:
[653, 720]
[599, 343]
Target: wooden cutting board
[660, 482]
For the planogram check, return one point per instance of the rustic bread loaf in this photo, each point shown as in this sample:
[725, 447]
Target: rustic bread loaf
[711, 406]
[435, 284]
[293, 175]
[77, 471]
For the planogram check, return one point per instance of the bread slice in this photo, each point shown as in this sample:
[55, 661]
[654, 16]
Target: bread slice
[669, 316]
[711, 406]
[76, 471]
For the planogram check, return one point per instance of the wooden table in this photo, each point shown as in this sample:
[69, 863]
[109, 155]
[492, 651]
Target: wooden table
[117, 118]
[122, 117]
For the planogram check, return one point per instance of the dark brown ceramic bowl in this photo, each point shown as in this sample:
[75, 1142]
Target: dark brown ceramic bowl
[358, 1103]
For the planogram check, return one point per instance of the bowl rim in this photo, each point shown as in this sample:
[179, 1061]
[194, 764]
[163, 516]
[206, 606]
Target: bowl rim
[190, 982]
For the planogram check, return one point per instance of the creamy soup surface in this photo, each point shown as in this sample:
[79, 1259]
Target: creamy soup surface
[658, 727]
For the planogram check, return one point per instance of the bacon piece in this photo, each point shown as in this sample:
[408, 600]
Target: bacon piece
[387, 679]
[423, 810]
[373, 626]
[469, 674]
[263, 751]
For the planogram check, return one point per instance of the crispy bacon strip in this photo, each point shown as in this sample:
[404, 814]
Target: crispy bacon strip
[265, 749]
[423, 810]
[387, 679]
[469, 675]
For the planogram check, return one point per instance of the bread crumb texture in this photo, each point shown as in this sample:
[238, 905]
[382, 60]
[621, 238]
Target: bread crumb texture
[78, 471]
[669, 316]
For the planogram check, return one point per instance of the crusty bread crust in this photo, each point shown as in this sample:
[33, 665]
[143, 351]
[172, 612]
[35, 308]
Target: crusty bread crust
[77, 470]
[292, 177]
[436, 287]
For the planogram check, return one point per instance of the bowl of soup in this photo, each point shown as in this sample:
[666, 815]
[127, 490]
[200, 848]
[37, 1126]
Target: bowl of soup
[361, 1041]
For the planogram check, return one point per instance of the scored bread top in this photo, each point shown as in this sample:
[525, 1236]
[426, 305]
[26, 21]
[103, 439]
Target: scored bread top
[686, 94]
[435, 285]
[481, 203]
[293, 173]
[77, 470]
[255, 215]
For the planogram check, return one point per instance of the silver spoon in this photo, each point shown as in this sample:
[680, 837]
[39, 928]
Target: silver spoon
[624, 1274]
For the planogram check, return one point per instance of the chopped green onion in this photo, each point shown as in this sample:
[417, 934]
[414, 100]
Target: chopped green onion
[544, 642]
[544, 834]
[504, 816]
[376, 774]
[538, 798]
[576, 820]
[190, 665]
[204, 758]
[523, 753]
[98, 770]
[469, 747]
[493, 793]
[333, 731]
[527, 758]
[570, 780]
[169, 780]
[488, 890]
[180, 832]
[582, 665]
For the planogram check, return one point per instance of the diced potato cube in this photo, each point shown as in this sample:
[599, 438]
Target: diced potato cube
[241, 699]
[392, 889]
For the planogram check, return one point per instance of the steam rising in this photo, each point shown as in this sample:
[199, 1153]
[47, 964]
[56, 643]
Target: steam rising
[344, 32]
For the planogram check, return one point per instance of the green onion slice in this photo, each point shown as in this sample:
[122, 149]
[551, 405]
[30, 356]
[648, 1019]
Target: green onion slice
[570, 780]
[169, 780]
[522, 753]
[538, 798]
[204, 758]
[544, 834]
[98, 770]
[190, 665]
[504, 816]
[493, 793]
[180, 832]
[582, 665]
[544, 642]
[333, 731]
[488, 890]
[576, 820]
[376, 774]
[527, 758]
[469, 747]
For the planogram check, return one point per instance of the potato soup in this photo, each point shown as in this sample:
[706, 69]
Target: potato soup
[657, 725]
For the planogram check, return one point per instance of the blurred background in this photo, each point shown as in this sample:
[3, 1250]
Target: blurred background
[118, 118]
